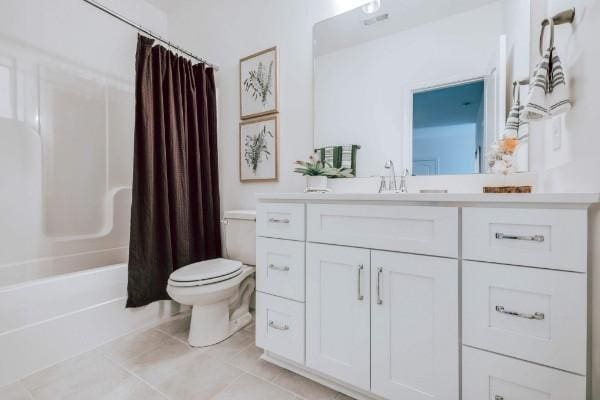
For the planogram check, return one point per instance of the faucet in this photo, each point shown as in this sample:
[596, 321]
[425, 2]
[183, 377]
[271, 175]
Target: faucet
[403, 187]
[392, 185]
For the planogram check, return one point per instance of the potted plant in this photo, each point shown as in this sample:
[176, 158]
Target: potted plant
[317, 172]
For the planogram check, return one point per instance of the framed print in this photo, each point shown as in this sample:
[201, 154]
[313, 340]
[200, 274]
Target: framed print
[259, 152]
[259, 84]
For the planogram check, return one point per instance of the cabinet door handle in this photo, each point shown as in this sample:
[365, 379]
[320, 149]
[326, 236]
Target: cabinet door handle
[284, 268]
[279, 221]
[278, 327]
[360, 295]
[379, 274]
[498, 397]
[536, 315]
[534, 238]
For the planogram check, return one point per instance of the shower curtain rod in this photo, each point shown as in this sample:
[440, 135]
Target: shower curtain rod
[148, 32]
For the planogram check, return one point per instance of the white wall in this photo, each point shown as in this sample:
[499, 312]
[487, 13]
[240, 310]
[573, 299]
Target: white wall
[224, 31]
[361, 91]
[67, 134]
[575, 166]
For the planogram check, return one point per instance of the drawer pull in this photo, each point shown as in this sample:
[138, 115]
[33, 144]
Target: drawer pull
[285, 268]
[360, 295]
[279, 221]
[534, 238]
[379, 273]
[537, 315]
[498, 397]
[278, 327]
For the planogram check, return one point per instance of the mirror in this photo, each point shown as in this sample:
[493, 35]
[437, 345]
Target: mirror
[424, 84]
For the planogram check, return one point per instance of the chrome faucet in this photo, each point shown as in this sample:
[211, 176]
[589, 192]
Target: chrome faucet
[392, 185]
[403, 187]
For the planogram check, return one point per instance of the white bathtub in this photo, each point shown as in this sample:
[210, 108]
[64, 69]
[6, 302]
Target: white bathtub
[48, 320]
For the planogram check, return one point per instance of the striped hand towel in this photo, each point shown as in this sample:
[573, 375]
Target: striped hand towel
[347, 156]
[516, 127]
[340, 156]
[559, 101]
[536, 106]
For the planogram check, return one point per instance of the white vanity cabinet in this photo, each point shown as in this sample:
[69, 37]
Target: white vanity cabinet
[338, 312]
[437, 297]
[414, 326]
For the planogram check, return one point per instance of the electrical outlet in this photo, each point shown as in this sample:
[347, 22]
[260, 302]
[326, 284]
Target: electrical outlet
[556, 133]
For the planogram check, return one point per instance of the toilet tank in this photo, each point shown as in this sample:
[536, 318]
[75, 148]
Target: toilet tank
[240, 235]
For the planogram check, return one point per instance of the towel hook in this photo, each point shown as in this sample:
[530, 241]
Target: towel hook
[564, 17]
[551, 23]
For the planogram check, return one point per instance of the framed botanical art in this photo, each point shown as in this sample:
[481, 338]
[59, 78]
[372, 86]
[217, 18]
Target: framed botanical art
[259, 84]
[259, 151]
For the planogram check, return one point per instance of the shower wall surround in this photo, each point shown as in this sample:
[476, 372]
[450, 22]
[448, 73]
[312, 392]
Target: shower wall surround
[66, 117]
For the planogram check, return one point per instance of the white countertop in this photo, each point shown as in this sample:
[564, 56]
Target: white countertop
[581, 199]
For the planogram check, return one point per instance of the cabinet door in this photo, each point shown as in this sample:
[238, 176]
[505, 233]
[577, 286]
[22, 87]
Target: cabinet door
[414, 331]
[338, 312]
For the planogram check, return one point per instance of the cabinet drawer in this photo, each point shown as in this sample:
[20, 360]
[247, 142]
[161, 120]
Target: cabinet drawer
[280, 268]
[283, 221]
[411, 229]
[555, 238]
[533, 314]
[488, 376]
[280, 326]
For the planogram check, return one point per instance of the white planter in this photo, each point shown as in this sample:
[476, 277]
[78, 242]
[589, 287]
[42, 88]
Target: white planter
[316, 183]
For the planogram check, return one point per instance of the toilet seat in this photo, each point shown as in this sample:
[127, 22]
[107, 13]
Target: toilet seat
[205, 272]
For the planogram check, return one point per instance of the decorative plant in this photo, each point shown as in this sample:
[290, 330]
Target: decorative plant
[255, 147]
[501, 155]
[315, 167]
[259, 83]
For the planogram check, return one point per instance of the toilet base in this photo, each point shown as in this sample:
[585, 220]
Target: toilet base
[213, 323]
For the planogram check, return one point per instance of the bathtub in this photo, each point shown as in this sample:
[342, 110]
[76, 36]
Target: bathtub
[45, 321]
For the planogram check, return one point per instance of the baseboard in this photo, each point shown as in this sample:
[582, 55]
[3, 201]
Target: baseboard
[329, 382]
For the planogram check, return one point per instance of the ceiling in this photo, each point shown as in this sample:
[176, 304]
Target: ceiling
[452, 105]
[349, 29]
[168, 5]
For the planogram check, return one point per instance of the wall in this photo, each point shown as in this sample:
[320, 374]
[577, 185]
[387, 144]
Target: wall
[67, 134]
[224, 31]
[574, 166]
[365, 102]
[453, 146]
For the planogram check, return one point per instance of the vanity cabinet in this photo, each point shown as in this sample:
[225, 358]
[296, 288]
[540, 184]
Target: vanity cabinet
[427, 297]
[384, 321]
[338, 312]
[414, 326]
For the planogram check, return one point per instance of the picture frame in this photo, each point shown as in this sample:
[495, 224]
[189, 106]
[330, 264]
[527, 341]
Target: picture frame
[259, 84]
[259, 149]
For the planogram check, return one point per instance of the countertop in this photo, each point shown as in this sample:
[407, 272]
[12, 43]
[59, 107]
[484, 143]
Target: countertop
[580, 199]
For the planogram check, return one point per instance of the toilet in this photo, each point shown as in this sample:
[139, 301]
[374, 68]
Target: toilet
[219, 290]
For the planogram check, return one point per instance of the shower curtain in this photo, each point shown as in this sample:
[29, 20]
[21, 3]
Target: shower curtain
[175, 215]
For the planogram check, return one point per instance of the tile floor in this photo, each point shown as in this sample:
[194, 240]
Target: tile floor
[158, 364]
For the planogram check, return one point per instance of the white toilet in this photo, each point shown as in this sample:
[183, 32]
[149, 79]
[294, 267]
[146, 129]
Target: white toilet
[219, 290]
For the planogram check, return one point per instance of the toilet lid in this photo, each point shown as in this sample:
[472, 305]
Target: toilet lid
[208, 271]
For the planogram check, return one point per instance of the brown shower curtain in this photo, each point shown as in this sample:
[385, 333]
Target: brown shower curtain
[175, 209]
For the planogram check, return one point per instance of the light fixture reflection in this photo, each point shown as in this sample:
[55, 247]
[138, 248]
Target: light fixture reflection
[372, 7]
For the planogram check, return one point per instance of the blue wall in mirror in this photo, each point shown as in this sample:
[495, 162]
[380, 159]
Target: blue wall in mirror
[448, 129]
